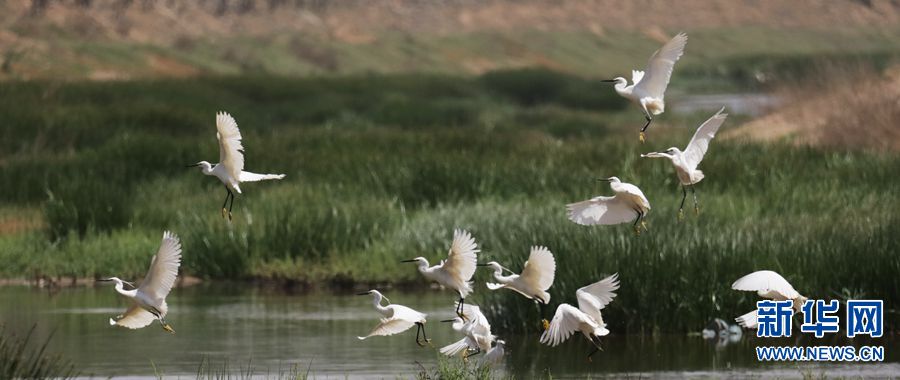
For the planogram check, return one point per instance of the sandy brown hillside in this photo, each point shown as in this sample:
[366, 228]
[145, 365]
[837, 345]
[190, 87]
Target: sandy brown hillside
[126, 38]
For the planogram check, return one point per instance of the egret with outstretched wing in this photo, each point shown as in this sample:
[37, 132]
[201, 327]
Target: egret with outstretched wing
[396, 319]
[149, 299]
[536, 277]
[767, 284]
[230, 169]
[585, 319]
[456, 272]
[648, 88]
[686, 162]
[629, 204]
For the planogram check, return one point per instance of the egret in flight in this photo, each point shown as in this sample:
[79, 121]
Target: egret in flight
[230, 168]
[629, 204]
[767, 284]
[586, 319]
[536, 277]
[456, 272]
[648, 87]
[477, 331]
[396, 319]
[149, 299]
[686, 162]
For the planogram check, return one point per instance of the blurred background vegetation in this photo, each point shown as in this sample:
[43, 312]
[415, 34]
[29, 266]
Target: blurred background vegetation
[395, 130]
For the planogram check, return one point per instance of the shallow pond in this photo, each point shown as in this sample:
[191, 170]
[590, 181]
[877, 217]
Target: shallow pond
[271, 331]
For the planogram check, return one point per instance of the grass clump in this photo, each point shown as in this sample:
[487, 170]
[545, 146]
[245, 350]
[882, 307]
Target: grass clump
[20, 359]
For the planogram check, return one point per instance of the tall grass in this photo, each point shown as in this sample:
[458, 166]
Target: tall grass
[21, 359]
[370, 182]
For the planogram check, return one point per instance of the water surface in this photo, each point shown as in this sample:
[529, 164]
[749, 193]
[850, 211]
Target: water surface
[241, 324]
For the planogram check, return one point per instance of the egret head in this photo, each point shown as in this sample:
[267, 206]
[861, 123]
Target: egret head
[117, 280]
[420, 260]
[668, 153]
[495, 266]
[376, 294]
[204, 166]
[611, 180]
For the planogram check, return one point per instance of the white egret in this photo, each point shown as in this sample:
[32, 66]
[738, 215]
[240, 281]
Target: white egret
[686, 162]
[456, 272]
[648, 87]
[477, 331]
[536, 277]
[149, 299]
[767, 284]
[628, 204]
[495, 355]
[230, 168]
[397, 319]
[585, 319]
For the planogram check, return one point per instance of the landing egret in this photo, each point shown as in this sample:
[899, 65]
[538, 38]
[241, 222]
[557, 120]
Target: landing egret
[230, 168]
[536, 277]
[149, 299]
[648, 87]
[477, 331]
[686, 162]
[456, 272]
[586, 318]
[628, 204]
[495, 355]
[767, 284]
[397, 319]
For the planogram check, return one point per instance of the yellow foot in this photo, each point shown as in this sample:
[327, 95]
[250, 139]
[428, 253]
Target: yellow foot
[224, 211]
[545, 324]
[229, 216]
[644, 224]
[680, 215]
[642, 137]
[168, 328]
[696, 210]
[637, 231]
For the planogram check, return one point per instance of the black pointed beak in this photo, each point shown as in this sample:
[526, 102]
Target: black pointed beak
[603, 179]
[408, 261]
[192, 166]
[104, 280]
[362, 294]
[448, 320]
[483, 265]
[609, 81]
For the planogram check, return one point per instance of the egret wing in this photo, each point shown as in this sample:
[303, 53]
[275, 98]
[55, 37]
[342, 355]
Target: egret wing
[163, 268]
[659, 68]
[540, 269]
[477, 320]
[594, 297]
[134, 318]
[254, 177]
[565, 322]
[766, 281]
[231, 151]
[390, 326]
[636, 76]
[696, 149]
[748, 321]
[601, 210]
[636, 193]
[454, 349]
[461, 261]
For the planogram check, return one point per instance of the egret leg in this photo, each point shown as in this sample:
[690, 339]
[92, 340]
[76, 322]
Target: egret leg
[166, 326]
[696, 205]
[596, 349]
[231, 205]
[640, 218]
[681, 208]
[544, 323]
[459, 308]
[227, 195]
[643, 136]
[418, 333]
